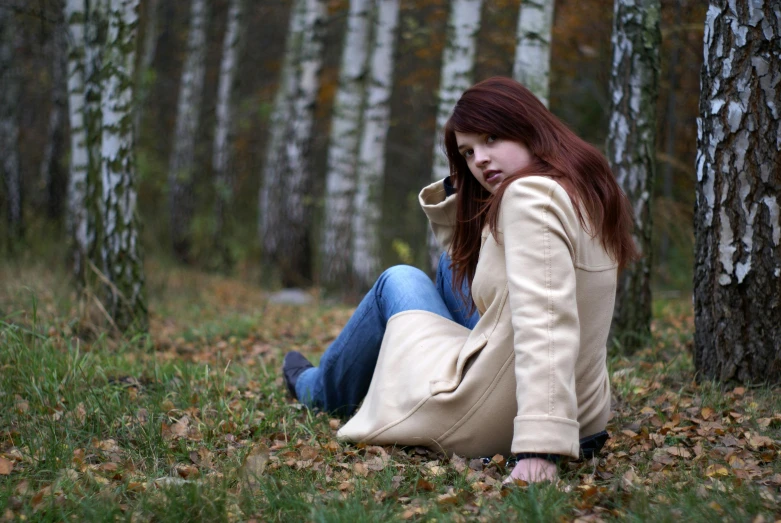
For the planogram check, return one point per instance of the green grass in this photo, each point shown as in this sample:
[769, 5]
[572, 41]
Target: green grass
[193, 424]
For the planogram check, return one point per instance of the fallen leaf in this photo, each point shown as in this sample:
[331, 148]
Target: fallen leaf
[361, 469]
[716, 470]
[422, 484]
[254, 464]
[334, 423]
[680, 452]
[6, 466]
[706, 412]
[187, 471]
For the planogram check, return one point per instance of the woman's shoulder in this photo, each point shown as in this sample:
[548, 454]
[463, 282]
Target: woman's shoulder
[541, 189]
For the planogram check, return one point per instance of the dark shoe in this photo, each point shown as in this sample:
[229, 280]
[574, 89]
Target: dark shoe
[292, 367]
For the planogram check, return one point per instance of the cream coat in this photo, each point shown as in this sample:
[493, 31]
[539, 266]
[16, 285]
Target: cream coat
[531, 376]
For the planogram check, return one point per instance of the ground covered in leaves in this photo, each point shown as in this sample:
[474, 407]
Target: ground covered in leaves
[193, 424]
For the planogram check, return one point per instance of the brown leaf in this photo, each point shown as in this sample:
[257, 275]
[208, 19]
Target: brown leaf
[706, 413]
[309, 453]
[187, 471]
[422, 484]
[448, 498]
[254, 464]
[361, 469]
[334, 423]
[6, 466]
[681, 452]
[180, 428]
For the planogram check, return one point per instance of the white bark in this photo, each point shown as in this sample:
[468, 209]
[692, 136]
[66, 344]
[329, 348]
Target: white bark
[10, 79]
[458, 64]
[75, 14]
[343, 152]
[120, 249]
[532, 52]
[631, 146]
[270, 198]
[371, 160]
[223, 133]
[181, 168]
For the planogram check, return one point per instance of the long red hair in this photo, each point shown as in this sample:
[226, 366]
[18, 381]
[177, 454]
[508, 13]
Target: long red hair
[505, 108]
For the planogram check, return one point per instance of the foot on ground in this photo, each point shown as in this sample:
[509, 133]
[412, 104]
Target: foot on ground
[292, 367]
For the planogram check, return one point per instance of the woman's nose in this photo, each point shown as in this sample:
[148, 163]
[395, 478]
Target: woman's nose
[480, 157]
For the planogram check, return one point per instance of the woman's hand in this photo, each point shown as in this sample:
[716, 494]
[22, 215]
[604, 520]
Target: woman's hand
[533, 470]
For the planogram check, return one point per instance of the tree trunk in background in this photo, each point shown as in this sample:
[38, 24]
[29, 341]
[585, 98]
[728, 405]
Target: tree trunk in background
[145, 64]
[291, 252]
[458, 65]
[630, 148]
[9, 125]
[270, 200]
[532, 51]
[123, 295]
[737, 275]
[222, 154]
[182, 164]
[52, 169]
[343, 151]
[371, 160]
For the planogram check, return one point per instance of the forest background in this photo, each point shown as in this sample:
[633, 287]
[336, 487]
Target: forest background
[579, 77]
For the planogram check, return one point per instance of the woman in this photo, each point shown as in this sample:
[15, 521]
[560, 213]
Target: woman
[506, 354]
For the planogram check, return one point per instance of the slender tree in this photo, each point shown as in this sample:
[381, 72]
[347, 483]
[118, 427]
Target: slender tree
[222, 154]
[371, 160]
[343, 150]
[737, 274]
[458, 64]
[631, 146]
[182, 163]
[10, 79]
[532, 51]
[52, 170]
[289, 249]
[148, 50]
[121, 249]
[270, 201]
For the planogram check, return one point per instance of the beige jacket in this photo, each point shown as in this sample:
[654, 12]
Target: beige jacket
[531, 376]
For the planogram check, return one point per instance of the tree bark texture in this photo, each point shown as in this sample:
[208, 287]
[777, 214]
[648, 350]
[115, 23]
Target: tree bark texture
[270, 200]
[52, 169]
[532, 52]
[292, 253]
[631, 146]
[458, 66]
[124, 296]
[737, 273]
[222, 154]
[10, 80]
[182, 164]
[343, 150]
[371, 160]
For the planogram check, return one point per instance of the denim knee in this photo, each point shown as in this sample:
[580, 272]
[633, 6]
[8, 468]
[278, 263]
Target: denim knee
[400, 274]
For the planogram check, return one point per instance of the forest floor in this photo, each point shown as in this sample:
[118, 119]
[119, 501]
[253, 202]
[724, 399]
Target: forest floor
[193, 424]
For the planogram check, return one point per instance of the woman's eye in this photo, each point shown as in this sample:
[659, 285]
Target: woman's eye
[468, 153]
[491, 138]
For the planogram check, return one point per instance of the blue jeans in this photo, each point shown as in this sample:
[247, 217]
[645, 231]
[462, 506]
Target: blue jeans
[342, 380]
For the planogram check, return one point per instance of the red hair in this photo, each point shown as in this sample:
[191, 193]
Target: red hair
[505, 108]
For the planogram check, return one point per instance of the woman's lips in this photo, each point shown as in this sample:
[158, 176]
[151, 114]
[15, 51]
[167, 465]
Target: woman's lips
[492, 176]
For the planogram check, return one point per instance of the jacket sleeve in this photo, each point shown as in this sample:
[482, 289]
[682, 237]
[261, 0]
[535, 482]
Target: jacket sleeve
[440, 210]
[538, 224]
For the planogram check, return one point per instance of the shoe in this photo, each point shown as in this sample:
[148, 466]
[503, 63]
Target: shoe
[292, 367]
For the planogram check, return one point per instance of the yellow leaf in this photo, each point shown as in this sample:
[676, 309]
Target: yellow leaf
[716, 470]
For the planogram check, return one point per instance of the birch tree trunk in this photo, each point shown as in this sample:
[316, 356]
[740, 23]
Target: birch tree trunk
[532, 51]
[10, 79]
[182, 163]
[458, 64]
[631, 146]
[121, 250]
[222, 155]
[75, 17]
[737, 274]
[52, 169]
[271, 190]
[343, 151]
[371, 160]
[288, 244]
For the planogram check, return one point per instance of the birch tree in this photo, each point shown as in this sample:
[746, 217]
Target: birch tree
[531, 66]
[271, 190]
[737, 274]
[222, 154]
[343, 150]
[120, 249]
[371, 160]
[182, 163]
[288, 245]
[458, 64]
[10, 79]
[148, 49]
[631, 146]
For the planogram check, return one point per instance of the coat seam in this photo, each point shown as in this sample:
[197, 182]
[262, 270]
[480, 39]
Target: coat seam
[548, 285]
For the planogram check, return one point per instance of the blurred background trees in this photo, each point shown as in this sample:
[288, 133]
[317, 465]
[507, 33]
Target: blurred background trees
[281, 107]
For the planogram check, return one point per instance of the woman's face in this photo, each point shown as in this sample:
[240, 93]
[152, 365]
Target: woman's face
[492, 159]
